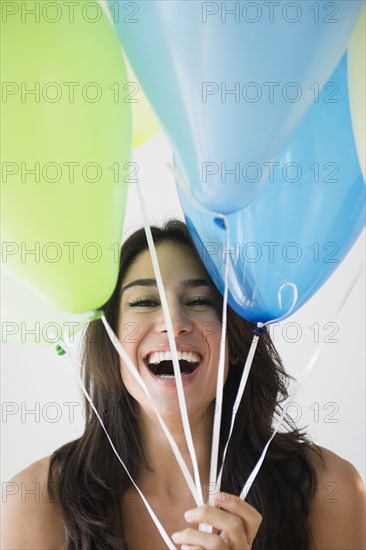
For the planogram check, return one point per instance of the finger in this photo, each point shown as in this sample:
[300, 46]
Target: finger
[198, 539]
[236, 505]
[233, 504]
[228, 523]
[221, 520]
[226, 537]
[190, 547]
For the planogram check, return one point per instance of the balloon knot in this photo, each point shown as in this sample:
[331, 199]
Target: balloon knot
[60, 350]
[259, 331]
[220, 222]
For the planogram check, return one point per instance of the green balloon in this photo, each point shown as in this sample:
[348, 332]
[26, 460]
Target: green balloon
[66, 139]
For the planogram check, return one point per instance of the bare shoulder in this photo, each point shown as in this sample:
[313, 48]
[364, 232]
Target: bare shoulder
[337, 513]
[30, 519]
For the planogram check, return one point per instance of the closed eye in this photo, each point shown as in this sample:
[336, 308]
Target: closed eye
[143, 302]
[148, 302]
[200, 302]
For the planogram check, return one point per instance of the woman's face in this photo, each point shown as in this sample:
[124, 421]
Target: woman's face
[196, 325]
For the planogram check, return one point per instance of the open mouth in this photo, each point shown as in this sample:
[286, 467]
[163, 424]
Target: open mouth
[160, 363]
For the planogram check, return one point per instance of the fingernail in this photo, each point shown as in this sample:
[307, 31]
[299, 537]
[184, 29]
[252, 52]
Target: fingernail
[189, 514]
[176, 536]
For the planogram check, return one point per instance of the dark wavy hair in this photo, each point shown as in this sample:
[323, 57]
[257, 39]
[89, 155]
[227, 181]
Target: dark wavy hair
[90, 480]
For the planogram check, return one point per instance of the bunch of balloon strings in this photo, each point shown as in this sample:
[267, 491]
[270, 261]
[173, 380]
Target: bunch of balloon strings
[194, 485]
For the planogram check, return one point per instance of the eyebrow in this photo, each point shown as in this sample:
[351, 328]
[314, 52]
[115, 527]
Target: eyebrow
[187, 283]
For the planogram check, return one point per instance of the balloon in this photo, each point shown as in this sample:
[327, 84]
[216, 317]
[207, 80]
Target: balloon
[229, 88]
[27, 318]
[66, 150]
[357, 87]
[290, 239]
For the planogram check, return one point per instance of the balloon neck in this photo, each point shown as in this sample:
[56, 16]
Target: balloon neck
[98, 314]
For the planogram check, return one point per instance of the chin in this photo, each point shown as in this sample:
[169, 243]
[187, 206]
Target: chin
[168, 407]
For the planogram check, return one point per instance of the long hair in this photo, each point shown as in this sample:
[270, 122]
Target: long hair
[91, 481]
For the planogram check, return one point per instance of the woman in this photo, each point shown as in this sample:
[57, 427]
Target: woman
[304, 497]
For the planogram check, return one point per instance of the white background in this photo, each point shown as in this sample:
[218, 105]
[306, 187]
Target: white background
[331, 402]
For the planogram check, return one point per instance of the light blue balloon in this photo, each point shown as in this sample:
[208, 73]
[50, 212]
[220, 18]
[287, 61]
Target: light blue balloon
[229, 88]
[297, 231]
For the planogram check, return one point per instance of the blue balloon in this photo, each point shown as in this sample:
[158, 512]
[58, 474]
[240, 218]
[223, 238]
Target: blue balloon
[231, 80]
[291, 238]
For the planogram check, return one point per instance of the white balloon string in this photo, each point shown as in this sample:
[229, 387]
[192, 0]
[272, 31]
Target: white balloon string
[135, 373]
[105, 8]
[217, 422]
[351, 287]
[280, 421]
[173, 348]
[220, 375]
[220, 380]
[248, 365]
[238, 398]
[309, 367]
[221, 368]
[80, 382]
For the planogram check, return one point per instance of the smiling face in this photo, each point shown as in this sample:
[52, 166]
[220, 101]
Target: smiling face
[196, 326]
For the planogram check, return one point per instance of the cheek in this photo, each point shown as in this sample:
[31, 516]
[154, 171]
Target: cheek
[129, 334]
[215, 342]
[213, 335]
[131, 331]
[129, 382]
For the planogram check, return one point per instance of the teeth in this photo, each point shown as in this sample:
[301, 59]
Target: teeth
[158, 356]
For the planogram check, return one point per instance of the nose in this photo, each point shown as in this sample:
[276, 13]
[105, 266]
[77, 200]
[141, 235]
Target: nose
[181, 322]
